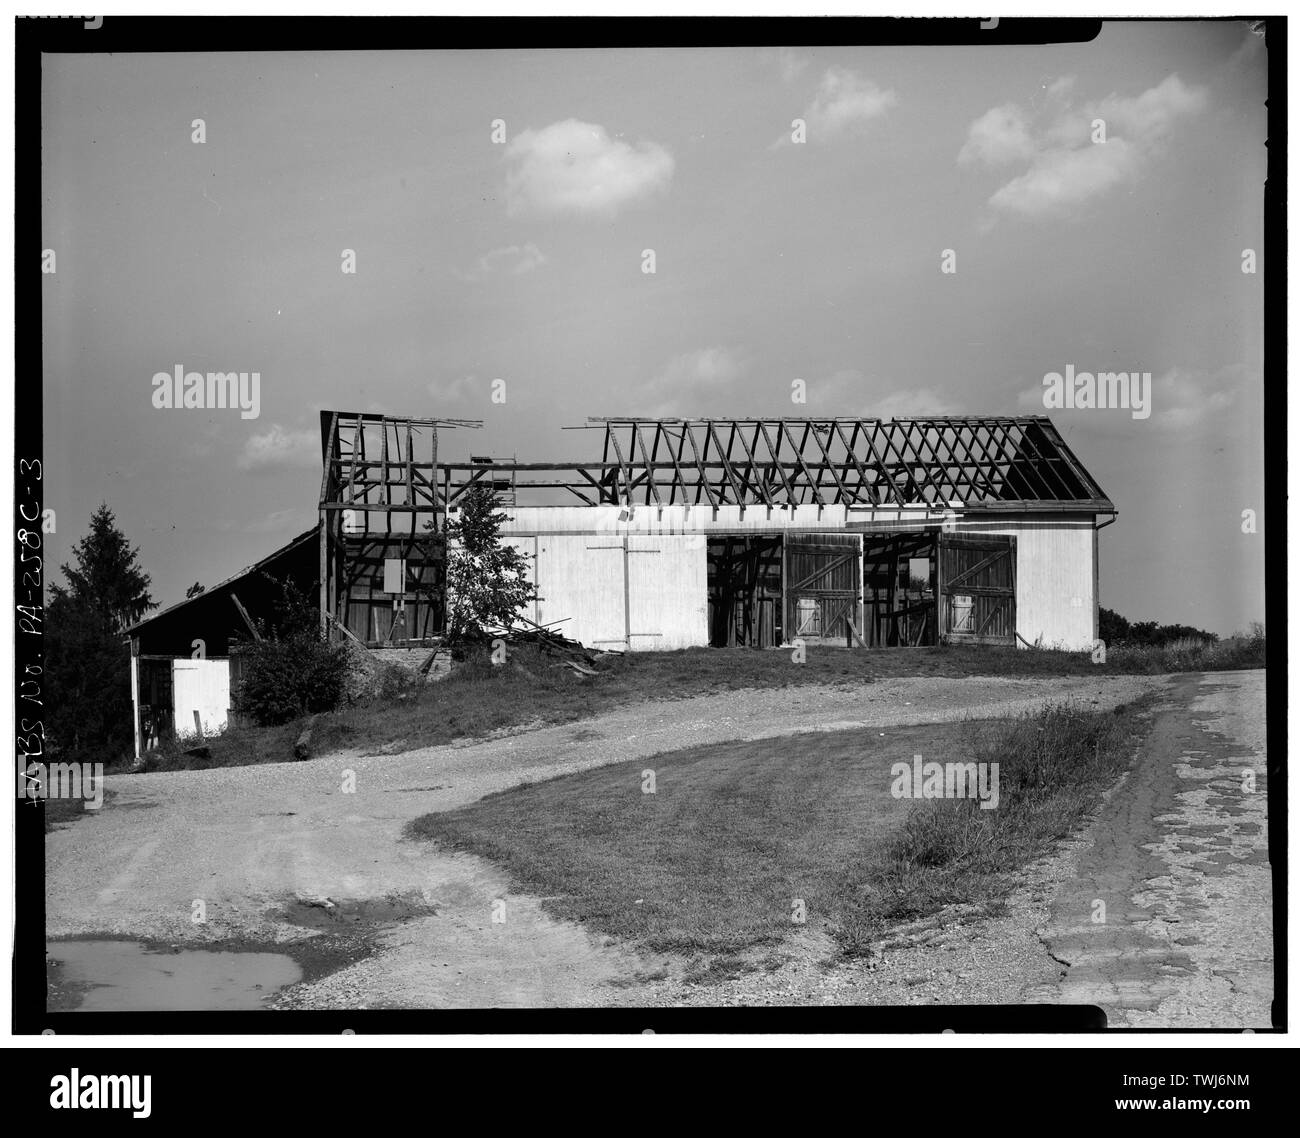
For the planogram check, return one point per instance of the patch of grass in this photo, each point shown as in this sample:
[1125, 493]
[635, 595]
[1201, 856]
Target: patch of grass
[713, 862]
[1052, 767]
[477, 699]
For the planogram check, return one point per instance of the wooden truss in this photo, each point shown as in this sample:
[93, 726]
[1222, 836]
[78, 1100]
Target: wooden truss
[378, 464]
[996, 463]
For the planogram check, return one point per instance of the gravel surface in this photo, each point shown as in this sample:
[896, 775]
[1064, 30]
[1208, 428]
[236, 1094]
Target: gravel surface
[248, 840]
[1179, 858]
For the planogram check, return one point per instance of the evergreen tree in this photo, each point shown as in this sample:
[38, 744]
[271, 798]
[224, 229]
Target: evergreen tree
[107, 576]
[87, 656]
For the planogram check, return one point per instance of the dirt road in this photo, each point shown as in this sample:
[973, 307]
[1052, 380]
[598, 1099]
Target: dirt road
[1167, 919]
[239, 844]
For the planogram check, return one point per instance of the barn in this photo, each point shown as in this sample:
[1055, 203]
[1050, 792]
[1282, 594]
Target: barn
[677, 533]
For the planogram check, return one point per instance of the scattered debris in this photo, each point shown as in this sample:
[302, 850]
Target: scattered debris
[545, 639]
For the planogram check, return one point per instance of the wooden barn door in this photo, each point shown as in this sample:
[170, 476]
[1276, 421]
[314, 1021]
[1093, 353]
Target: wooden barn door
[823, 575]
[977, 589]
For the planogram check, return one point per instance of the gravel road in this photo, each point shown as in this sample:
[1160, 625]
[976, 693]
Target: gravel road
[247, 840]
[1179, 860]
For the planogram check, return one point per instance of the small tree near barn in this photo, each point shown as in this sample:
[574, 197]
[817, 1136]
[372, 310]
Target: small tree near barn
[487, 582]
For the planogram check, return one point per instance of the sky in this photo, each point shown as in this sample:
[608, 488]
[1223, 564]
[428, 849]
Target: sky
[499, 207]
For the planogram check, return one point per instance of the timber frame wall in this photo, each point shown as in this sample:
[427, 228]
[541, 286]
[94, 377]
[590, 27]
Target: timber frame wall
[377, 493]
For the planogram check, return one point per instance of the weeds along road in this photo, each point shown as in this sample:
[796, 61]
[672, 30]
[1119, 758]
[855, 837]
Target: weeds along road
[1178, 853]
[1179, 859]
[245, 841]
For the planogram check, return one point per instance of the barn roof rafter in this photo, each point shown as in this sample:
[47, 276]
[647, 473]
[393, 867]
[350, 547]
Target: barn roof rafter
[978, 462]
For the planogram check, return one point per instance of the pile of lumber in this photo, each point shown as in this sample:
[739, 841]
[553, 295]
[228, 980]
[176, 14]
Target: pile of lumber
[545, 639]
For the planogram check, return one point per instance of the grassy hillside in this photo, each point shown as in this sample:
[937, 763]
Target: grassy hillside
[477, 698]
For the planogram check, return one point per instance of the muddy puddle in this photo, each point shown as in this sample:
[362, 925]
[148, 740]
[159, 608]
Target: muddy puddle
[371, 913]
[127, 975]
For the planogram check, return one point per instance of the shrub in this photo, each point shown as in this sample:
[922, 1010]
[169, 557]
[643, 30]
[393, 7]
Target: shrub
[290, 677]
[292, 670]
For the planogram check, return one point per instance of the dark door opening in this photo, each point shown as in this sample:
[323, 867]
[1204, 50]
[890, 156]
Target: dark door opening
[900, 588]
[745, 592]
[156, 711]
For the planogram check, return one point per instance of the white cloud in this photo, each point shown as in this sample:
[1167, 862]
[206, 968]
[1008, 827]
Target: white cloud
[290, 521]
[573, 167]
[687, 379]
[280, 449]
[1065, 167]
[789, 62]
[514, 260]
[915, 403]
[1180, 400]
[453, 390]
[844, 100]
[998, 136]
[1062, 178]
[849, 392]
[708, 366]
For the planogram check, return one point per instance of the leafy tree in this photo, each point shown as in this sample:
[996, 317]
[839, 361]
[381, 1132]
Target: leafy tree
[1111, 627]
[1115, 630]
[487, 582]
[194, 590]
[87, 657]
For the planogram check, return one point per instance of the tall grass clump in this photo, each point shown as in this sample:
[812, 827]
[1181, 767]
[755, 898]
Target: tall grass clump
[1052, 765]
[1192, 654]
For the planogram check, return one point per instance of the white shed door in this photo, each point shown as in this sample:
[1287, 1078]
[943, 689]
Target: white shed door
[667, 592]
[202, 686]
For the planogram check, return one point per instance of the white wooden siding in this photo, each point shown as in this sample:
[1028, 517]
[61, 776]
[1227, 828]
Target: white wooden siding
[203, 686]
[581, 578]
[580, 549]
[1056, 593]
[667, 589]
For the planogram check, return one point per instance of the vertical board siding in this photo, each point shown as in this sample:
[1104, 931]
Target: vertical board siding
[582, 578]
[642, 593]
[1055, 583]
[667, 590]
[202, 685]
